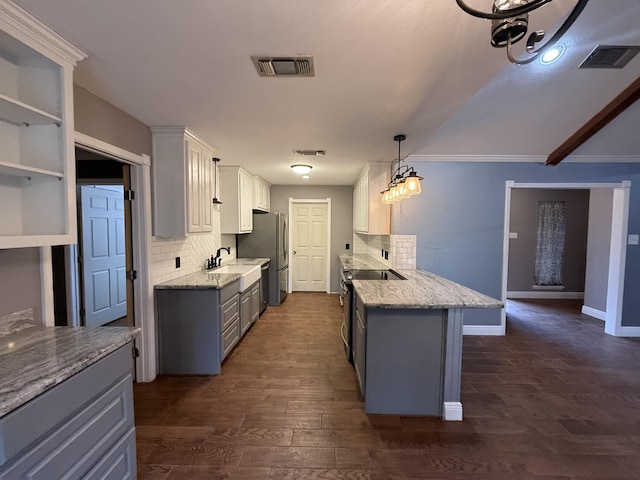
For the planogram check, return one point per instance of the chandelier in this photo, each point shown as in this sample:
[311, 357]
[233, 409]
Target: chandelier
[404, 183]
[509, 23]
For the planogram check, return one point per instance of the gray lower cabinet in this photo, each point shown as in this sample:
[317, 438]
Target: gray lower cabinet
[359, 347]
[245, 310]
[399, 359]
[255, 301]
[199, 327]
[82, 428]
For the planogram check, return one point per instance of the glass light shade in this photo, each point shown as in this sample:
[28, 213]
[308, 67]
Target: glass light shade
[301, 168]
[403, 191]
[386, 197]
[413, 184]
[393, 194]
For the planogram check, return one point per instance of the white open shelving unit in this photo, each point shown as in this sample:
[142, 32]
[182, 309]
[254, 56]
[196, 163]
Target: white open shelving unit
[37, 161]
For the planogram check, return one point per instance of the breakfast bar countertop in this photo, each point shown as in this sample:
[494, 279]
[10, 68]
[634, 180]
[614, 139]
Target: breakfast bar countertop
[420, 289]
[35, 359]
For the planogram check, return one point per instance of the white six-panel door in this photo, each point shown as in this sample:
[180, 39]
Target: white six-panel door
[309, 247]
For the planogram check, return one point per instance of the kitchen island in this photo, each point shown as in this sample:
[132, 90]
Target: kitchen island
[408, 340]
[66, 400]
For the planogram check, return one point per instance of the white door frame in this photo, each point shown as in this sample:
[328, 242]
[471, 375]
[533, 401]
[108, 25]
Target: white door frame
[617, 256]
[146, 368]
[327, 201]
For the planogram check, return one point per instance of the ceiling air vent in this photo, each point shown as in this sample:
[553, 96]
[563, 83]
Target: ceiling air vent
[283, 66]
[610, 56]
[309, 153]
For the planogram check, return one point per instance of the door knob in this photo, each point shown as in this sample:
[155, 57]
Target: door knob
[294, 252]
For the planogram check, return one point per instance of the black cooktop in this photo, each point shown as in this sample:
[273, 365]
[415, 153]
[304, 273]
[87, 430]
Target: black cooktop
[375, 275]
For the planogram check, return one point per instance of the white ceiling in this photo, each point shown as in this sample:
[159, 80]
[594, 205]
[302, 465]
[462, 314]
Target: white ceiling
[419, 67]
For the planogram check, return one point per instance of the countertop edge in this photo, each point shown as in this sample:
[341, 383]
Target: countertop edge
[39, 387]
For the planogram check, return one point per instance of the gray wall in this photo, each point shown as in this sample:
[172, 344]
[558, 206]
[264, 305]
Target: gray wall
[524, 221]
[341, 216]
[459, 222]
[598, 249]
[99, 119]
[20, 281]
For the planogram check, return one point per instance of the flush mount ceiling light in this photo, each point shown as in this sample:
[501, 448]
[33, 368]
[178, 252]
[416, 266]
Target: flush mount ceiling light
[404, 183]
[510, 21]
[301, 168]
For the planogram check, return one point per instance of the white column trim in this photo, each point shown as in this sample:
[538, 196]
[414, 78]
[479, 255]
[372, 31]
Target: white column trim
[147, 364]
[46, 286]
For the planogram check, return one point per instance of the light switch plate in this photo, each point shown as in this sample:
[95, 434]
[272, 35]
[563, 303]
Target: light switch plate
[633, 239]
[513, 234]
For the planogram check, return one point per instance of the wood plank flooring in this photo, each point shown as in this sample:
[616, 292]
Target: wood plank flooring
[554, 399]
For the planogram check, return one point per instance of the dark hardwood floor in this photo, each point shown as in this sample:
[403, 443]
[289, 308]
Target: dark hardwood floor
[556, 398]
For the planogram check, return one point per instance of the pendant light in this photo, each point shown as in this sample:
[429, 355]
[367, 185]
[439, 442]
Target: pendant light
[405, 182]
[216, 202]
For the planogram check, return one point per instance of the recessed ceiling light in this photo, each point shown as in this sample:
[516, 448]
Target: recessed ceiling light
[552, 54]
[301, 168]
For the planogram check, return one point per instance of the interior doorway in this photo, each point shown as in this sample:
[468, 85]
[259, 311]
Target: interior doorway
[310, 245]
[615, 267]
[93, 279]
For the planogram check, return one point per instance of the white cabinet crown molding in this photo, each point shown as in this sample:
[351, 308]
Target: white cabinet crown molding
[20, 24]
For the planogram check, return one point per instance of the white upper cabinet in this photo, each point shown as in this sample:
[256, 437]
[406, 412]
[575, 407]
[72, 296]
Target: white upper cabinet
[37, 161]
[261, 194]
[236, 195]
[182, 183]
[370, 215]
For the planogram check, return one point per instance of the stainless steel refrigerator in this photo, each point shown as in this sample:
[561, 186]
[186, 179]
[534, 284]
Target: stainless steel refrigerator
[269, 239]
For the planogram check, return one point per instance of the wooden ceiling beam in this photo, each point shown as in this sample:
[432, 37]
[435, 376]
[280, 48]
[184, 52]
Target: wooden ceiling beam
[619, 104]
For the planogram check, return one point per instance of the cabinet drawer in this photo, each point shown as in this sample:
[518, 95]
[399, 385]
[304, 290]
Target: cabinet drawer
[229, 292]
[230, 311]
[230, 337]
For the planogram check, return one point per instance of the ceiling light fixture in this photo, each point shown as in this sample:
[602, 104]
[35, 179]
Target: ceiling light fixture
[552, 54]
[404, 183]
[509, 23]
[301, 168]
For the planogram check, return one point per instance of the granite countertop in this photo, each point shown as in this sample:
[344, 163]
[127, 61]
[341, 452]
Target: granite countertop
[202, 280]
[361, 262]
[248, 261]
[419, 290]
[209, 279]
[35, 359]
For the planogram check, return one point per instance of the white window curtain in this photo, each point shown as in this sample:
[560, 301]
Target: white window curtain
[550, 244]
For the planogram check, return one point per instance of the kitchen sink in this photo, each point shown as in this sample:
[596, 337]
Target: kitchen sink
[250, 273]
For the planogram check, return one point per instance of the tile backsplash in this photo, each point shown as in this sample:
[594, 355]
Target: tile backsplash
[401, 249]
[192, 250]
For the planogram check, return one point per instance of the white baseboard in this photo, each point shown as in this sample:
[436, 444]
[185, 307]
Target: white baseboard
[547, 295]
[493, 330]
[592, 312]
[452, 412]
[628, 332]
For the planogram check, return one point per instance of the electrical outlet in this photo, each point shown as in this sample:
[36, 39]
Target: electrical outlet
[346, 246]
[177, 262]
